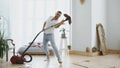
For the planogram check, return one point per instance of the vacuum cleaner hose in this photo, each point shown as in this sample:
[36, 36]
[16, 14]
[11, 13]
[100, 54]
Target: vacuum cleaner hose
[28, 56]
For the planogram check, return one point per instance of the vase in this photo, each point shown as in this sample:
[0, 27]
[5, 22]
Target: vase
[69, 47]
[63, 35]
[2, 60]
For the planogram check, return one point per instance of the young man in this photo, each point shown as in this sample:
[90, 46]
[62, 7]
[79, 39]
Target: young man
[49, 34]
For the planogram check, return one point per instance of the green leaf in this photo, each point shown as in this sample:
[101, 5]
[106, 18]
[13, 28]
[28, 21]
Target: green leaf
[3, 45]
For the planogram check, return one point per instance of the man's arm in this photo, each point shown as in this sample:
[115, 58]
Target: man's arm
[44, 26]
[59, 24]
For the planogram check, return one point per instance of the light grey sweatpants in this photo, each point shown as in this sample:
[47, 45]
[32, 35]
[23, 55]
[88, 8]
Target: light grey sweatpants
[46, 39]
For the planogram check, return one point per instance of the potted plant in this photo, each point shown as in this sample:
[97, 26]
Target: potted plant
[3, 45]
[63, 35]
[69, 47]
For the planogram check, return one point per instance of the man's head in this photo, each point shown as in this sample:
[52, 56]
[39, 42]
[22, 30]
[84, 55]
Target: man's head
[58, 14]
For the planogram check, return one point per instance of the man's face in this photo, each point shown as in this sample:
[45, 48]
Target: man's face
[58, 15]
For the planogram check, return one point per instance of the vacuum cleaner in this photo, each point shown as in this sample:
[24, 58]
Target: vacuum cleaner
[20, 59]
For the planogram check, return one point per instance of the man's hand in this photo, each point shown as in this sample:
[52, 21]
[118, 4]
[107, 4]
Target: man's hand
[44, 26]
[62, 22]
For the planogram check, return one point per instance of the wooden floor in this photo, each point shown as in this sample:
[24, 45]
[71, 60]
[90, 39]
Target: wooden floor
[69, 61]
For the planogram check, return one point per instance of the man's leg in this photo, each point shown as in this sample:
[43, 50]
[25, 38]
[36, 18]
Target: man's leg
[55, 48]
[45, 41]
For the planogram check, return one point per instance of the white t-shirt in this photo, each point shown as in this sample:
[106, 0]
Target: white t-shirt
[50, 23]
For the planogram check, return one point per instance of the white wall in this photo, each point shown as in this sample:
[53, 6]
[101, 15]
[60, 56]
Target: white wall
[98, 16]
[81, 27]
[113, 24]
[85, 17]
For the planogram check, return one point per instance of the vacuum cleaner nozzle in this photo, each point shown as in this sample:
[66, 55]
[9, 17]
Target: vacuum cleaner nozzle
[67, 18]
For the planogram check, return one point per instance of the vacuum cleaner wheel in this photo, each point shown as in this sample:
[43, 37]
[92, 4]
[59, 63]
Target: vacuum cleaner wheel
[26, 55]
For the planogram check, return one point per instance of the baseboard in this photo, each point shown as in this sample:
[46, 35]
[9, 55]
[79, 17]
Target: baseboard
[110, 51]
[84, 53]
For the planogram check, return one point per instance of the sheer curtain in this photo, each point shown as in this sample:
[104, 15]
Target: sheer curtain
[27, 18]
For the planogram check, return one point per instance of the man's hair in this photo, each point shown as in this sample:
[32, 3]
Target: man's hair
[59, 12]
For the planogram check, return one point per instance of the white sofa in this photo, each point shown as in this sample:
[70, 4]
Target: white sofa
[35, 49]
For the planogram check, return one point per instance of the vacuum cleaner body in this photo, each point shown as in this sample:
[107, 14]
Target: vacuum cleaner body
[17, 60]
[20, 59]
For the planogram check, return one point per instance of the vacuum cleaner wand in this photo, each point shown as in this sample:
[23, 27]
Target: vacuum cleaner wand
[68, 18]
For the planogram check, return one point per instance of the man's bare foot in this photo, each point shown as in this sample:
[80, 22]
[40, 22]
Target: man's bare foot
[60, 62]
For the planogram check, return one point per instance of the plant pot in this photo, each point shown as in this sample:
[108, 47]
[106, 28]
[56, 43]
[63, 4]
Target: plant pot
[3, 59]
[69, 47]
[63, 35]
